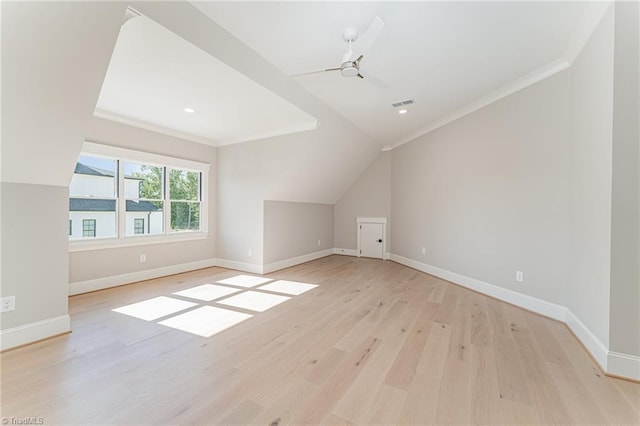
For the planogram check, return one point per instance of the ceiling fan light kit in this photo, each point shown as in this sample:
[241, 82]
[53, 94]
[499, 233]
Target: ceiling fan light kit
[349, 69]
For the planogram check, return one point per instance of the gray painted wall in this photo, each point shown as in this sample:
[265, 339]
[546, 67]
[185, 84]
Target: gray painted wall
[625, 227]
[294, 229]
[590, 180]
[369, 196]
[93, 264]
[315, 166]
[34, 251]
[487, 195]
[51, 79]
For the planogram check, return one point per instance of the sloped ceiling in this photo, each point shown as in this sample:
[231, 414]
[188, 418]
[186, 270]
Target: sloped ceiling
[54, 58]
[444, 55]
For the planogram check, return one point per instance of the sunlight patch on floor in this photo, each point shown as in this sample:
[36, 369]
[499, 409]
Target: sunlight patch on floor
[207, 292]
[205, 321]
[245, 281]
[288, 287]
[254, 301]
[155, 308]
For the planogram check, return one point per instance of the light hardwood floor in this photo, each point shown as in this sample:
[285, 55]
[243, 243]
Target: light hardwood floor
[374, 343]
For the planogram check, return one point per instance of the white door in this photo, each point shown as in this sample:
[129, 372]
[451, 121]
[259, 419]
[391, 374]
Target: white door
[371, 237]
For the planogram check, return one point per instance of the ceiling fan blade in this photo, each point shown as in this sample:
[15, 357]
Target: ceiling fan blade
[370, 36]
[369, 78]
[357, 61]
[315, 72]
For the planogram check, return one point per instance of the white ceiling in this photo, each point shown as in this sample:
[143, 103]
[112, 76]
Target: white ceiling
[154, 74]
[450, 57]
[445, 55]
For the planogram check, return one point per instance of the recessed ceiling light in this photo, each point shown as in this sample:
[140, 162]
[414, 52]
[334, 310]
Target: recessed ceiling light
[189, 110]
[402, 111]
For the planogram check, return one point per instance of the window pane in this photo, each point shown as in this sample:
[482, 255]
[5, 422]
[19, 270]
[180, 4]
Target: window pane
[94, 177]
[185, 216]
[92, 218]
[138, 226]
[144, 217]
[184, 185]
[143, 181]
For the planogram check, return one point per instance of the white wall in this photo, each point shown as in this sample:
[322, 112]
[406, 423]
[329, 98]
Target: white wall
[153, 222]
[105, 224]
[94, 186]
[368, 196]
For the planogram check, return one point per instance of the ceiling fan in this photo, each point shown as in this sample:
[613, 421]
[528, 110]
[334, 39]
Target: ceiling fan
[351, 67]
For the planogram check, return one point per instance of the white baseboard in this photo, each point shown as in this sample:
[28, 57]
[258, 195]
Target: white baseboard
[29, 333]
[615, 363]
[132, 277]
[589, 340]
[623, 365]
[287, 263]
[534, 304]
[345, 252]
[239, 266]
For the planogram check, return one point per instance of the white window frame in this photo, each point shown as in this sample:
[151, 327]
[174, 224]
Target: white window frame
[123, 240]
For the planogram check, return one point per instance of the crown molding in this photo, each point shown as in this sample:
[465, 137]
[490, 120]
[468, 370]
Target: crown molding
[107, 115]
[594, 13]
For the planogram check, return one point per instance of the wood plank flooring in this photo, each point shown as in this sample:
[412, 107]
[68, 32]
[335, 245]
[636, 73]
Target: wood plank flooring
[374, 343]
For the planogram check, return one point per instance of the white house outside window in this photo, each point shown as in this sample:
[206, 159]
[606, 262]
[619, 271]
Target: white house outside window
[93, 197]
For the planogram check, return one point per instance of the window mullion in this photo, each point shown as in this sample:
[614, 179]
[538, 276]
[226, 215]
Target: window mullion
[121, 202]
[167, 201]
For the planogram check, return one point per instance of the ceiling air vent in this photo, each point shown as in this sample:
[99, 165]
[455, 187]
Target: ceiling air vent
[403, 103]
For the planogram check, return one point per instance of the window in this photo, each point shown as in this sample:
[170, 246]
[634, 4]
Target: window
[138, 226]
[144, 196]
[184, 191]
[92, 195]
[118, 193]
[89, 228]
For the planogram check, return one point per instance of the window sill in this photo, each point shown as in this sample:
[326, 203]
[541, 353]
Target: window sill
[110, 243]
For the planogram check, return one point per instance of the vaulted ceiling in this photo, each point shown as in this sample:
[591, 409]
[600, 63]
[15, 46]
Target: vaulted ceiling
[443, 55]
[448, 57]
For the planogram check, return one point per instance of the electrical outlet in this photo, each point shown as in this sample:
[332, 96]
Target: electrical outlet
[519, 276]
[424, 250]
[318, 242]
[143, 258]
[8, 304]
[249, 252]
